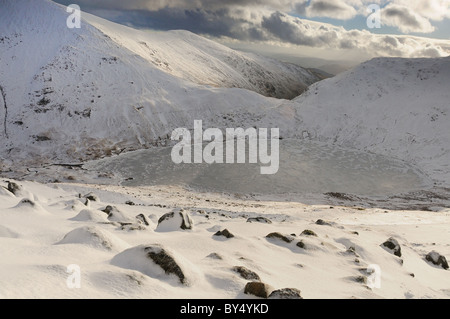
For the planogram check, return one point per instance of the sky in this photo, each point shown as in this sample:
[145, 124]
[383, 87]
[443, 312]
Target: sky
[318, 29]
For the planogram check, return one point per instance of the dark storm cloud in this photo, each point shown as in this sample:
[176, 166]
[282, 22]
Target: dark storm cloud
[260, 20]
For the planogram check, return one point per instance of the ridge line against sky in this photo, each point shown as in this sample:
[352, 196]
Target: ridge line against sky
[409, 28]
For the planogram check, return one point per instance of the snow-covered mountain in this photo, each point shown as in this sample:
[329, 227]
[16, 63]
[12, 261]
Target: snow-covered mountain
[74, 94]
[77, 94]
[390, 106]
[197, 59]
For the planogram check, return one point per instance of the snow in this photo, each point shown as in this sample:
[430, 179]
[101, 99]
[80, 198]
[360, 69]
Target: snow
[45, 245]
[367, 152]
[388, 106]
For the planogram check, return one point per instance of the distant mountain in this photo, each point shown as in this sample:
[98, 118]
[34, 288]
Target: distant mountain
[392, 106]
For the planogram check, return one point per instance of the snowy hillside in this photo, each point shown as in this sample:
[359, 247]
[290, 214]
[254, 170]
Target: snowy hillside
[47, 232]
[197, 59]
[394, 107]
[73, 94]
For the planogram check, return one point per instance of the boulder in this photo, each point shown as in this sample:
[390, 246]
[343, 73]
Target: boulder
[226, 233]
[175, 220]
[156, 261]
[275, 235]
[91, 197]
[246, 273]
[437, 259]
[286, 293]
[308, 232]
[393, 247]
[95, 237]
[142, 219]
[166, 261]
[260, 219]
[115, 215]
[321, 222]
[258, 289]
[14, 188]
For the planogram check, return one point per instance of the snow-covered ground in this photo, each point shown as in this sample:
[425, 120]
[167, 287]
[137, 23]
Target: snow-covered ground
[365, 157]
[39, 240]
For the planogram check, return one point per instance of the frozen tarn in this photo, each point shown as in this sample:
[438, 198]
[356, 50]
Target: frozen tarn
[305, 167]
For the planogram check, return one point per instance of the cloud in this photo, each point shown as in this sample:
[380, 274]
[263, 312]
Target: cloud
[337, 9]
[405, 19]
[266, 21]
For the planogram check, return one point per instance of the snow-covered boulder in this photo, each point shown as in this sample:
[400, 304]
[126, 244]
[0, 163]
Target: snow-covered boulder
[175, 220]
[158, 262]
[95, 237]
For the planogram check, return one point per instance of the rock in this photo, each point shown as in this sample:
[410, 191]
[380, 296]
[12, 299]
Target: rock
[437, 259]
[361, 279]
[90, 215]
[115, 215]
[393, 246]
[246, 273]
[14, 188]
[92, 197]
[142, 219]
[108, 209]
[156, 261]
[308, 232]
[259, 220]
[286, 293]
[95, 237]
[226, 233]
[301, 244]
[132, 226]
[352, 251]
[323, 223]
[258, 289]
[26, 202]
[175, 220]
[280, 236]
[166, 261]
[215, 256]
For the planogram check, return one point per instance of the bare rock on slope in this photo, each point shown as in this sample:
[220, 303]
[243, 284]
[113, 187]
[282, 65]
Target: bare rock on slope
[246, 273]
[286, 293]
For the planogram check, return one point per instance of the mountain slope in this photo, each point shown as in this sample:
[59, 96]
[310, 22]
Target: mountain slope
[389, 106]
[197, 59]
[74, 94]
